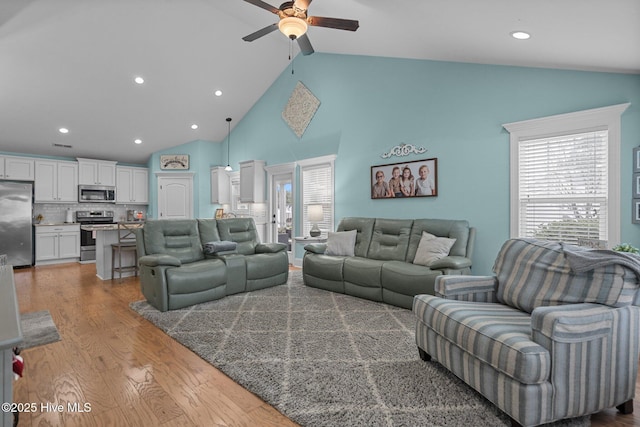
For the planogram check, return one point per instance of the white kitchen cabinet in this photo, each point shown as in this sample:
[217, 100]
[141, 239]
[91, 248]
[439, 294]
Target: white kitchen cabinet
[252, 181]
[56, 181]
[132, 185]
[57, 243]
[220, 186]
[17, 168]
[96, 172]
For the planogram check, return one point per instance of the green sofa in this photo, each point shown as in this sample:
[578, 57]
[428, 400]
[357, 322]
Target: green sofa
[382, 267]
[176, 271]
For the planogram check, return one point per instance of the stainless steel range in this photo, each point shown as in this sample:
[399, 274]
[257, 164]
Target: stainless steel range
[87, 241]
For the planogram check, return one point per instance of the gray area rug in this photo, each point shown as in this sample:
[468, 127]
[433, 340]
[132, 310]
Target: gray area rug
[327, 359]
[38, 329]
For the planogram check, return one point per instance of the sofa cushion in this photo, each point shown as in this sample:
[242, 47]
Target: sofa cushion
[494, 333]
[242, 231]
[178, 238]
[208, 229]
[364, 226]
[408, 279]
[534, 273]
[196, 277]
[390, 239]
[451, 228]
[341, 243]
[432, 248]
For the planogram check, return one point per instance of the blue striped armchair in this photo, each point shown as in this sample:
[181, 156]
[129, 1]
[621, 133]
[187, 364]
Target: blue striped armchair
[554, 334]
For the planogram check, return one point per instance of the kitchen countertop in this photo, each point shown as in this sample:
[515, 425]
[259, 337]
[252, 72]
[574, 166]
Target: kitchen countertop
[42, 224]
[110, 227]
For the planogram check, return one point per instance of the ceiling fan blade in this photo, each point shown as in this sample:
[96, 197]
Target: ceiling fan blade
[263, 32]
[302, 4]
[263, 5]
[305, 45]
[340, 24]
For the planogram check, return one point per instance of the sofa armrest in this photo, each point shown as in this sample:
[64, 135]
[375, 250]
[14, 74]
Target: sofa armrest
[467, 288]
[316, 248]
[159, 260]
[571, 323]
[450, 262]
[599, 343]
[270, 248]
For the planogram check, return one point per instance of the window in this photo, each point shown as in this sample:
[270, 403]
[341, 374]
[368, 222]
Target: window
[316, 177]
[565, 182]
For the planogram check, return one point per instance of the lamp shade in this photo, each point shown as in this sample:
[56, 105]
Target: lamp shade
[315, 213]
[292, 27]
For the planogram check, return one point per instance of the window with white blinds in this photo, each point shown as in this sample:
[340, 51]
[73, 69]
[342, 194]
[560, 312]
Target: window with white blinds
[564, 187]
[317, 188]
[565, 177]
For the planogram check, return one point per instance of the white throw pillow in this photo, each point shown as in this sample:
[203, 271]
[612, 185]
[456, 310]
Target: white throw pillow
[341, 243]
[432, 248]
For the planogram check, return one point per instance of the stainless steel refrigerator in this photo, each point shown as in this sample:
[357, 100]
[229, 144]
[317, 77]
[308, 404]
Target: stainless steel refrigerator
[16, 230]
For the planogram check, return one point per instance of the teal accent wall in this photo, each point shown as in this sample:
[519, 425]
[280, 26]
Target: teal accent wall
[202, 155]
[454, 110]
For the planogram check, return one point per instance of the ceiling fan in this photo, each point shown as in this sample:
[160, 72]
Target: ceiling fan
[294, 22]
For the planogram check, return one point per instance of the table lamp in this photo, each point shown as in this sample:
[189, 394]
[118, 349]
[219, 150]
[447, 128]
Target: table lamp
[315, 214]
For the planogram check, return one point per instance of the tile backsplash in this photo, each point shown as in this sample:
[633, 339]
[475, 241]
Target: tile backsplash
[57, 212]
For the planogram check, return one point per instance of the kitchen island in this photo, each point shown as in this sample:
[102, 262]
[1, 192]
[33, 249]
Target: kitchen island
[105, 235]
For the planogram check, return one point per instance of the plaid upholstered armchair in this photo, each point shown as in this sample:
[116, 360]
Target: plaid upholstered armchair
[553, 335]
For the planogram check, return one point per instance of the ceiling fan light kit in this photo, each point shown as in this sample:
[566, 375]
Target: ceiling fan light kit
[294, 22]
[292, 27]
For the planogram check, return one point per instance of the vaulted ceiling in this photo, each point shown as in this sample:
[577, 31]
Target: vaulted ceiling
[72, 64]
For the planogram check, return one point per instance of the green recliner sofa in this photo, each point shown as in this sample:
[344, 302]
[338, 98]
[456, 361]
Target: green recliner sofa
[382, 268]
[176, 271]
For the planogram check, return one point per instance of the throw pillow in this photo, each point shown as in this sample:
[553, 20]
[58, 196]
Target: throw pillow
[432, 248]
[341, 243]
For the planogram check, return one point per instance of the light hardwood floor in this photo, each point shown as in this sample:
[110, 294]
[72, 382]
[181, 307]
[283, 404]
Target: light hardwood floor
[128, 371]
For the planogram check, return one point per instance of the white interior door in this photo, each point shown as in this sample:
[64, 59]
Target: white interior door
[281, 204]
[175, 196]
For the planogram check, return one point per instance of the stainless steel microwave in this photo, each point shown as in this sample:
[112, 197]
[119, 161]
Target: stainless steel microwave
[96, 194]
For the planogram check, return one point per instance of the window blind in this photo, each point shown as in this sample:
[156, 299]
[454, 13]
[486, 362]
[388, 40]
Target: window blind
[317, 188]
[563, 187]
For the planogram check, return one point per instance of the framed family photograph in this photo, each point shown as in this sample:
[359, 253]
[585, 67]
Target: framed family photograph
[418, 178]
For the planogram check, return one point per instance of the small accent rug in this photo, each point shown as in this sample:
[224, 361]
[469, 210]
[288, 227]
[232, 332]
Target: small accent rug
[37, 329]
[327, 359]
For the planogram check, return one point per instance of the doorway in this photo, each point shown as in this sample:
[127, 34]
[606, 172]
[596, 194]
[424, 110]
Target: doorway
[175, 196]
[281, 205]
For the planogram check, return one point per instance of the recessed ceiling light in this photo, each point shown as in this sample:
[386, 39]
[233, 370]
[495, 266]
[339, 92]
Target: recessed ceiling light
[139, 80]
[63, 130]
[137, 141]
[218, 93]
[194, 126]
[520, 35]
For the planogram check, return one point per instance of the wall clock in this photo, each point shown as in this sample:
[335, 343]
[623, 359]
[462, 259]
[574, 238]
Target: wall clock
[174, 161]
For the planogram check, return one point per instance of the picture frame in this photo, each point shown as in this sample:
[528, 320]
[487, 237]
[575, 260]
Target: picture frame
[219, 214]
[635, 215]
[422, 179]
[636, 185]
[636, 159]
[174, 161]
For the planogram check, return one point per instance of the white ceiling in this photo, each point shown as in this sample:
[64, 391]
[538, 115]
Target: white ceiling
[71, 63]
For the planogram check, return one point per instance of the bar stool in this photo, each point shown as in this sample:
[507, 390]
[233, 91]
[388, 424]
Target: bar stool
[126, 243]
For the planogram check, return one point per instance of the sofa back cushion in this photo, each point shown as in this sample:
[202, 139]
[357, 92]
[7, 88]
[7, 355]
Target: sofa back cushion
[390, 239]
[208, 230]
[364, 227]
[175, 237]
[242, 231]
[450, 228]
[534, 273]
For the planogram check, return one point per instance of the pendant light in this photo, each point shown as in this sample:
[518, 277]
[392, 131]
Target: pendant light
[228, 168]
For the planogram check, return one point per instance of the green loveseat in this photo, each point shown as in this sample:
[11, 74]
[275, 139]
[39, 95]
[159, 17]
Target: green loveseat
[176, 271]
[382, 267]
